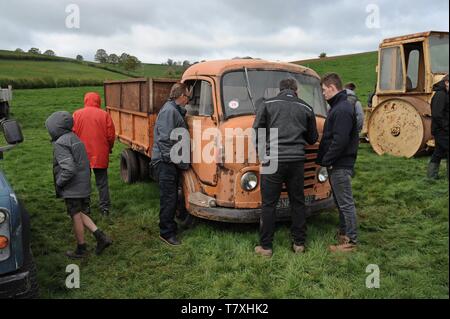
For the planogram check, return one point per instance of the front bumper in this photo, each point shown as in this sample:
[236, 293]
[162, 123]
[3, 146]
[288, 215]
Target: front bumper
[15, 285]
[234, 215]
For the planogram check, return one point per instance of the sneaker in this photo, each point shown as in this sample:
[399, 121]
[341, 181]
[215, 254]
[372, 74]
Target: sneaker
[103, 242]
[171, 240]
[259, 250]
[298, 249]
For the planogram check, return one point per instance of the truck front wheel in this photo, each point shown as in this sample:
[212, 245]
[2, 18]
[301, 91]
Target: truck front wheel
[129, 166]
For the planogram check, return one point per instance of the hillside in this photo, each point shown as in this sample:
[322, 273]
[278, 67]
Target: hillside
[29, 71]
[357, 68]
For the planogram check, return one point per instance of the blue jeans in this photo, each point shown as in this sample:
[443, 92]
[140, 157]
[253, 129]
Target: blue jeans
[341, 184]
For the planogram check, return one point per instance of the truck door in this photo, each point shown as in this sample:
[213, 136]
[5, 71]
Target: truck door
[202, 122]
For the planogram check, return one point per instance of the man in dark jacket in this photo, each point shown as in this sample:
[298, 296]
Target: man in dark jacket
[165, 168]
[439, 127]
[295, 122]
[73, 181]
[338, 152]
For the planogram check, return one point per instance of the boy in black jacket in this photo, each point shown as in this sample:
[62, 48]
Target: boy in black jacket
[337, 152]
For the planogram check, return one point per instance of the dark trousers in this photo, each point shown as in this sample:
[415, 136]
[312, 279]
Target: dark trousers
[441, 149]
[341, 185]
[168, 178]
[101, 180]
[291, 173]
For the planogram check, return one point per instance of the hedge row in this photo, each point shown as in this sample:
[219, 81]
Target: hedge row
[47, 82]
[9, 55]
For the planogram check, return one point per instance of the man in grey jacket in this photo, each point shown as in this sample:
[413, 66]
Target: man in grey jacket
[165, 169]
[72, 179]
[353, 99]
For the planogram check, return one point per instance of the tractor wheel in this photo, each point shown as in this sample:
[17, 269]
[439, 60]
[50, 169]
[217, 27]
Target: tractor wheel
[129, 166]
[400, 127]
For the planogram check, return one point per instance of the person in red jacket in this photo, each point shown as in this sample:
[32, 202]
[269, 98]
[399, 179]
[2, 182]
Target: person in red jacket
[95, 129]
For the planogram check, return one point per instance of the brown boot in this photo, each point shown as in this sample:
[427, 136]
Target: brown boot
[341, 238]
[259, 250]
[345, 246]
[298, 249]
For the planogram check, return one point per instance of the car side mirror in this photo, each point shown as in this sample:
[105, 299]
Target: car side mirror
[12, 131]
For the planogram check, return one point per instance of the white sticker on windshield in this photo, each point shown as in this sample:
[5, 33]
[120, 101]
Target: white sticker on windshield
[234, 104]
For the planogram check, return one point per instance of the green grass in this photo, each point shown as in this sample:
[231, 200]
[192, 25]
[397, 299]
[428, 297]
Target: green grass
[403, 226]
[356, 68]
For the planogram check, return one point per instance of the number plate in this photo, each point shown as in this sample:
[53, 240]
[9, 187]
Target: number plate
[284, 202]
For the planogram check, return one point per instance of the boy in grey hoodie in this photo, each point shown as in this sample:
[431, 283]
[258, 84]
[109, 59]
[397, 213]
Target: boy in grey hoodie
[71, 174]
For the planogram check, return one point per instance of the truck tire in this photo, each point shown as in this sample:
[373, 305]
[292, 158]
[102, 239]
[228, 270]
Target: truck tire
[4, 110]
[33, 293]
[28, 260]
[144, 167]
[129, 166]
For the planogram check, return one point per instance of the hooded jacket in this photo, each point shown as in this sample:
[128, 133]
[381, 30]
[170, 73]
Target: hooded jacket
[339, 144]
[296, 124]
[439, 110]
[71, 170]
[95, 128]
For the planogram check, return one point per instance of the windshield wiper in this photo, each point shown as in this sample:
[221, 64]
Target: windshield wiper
[248, 89]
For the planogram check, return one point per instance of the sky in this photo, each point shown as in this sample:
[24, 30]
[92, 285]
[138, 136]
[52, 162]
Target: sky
[197, 30]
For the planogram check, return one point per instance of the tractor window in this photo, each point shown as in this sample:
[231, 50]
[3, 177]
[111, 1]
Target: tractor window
[415, 70]
[201, 103]
[391, 76]
[439, 53]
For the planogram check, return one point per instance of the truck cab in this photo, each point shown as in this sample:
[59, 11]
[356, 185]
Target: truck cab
[17, 268]
[225, 98]
[225, 95]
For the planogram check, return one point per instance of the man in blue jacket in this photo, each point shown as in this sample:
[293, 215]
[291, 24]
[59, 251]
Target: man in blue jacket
[165, 168]
[337, 152]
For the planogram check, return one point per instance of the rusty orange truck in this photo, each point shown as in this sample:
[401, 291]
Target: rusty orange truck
[225, 95]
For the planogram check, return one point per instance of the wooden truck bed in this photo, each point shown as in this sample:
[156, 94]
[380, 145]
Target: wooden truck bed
[134, 105]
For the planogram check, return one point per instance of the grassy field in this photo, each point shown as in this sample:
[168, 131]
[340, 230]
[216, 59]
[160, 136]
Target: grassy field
[356, 68]
[403, 225]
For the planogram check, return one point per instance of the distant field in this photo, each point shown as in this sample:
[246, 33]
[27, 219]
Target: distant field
[27, 71]
[403, 227]
[152, 70]
[357, 68]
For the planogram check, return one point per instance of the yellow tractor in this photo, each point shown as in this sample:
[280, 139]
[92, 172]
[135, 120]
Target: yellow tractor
[399, 122]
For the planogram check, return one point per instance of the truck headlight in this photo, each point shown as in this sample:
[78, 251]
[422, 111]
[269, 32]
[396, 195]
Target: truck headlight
[322, 175]
[2, 217]
[249, 181]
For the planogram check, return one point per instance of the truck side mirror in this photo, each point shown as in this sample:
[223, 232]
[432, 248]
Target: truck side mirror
[12, 131]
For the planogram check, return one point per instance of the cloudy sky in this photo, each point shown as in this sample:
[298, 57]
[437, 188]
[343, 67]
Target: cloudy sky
[203, 30]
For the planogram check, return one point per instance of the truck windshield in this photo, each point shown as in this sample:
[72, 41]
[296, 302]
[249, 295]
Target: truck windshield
[439, 53]
[264, 85]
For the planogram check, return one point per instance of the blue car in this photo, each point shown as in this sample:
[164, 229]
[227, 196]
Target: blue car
[17, 268]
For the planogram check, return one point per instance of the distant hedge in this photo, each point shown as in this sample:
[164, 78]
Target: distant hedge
[9, 55]
[47, 82]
